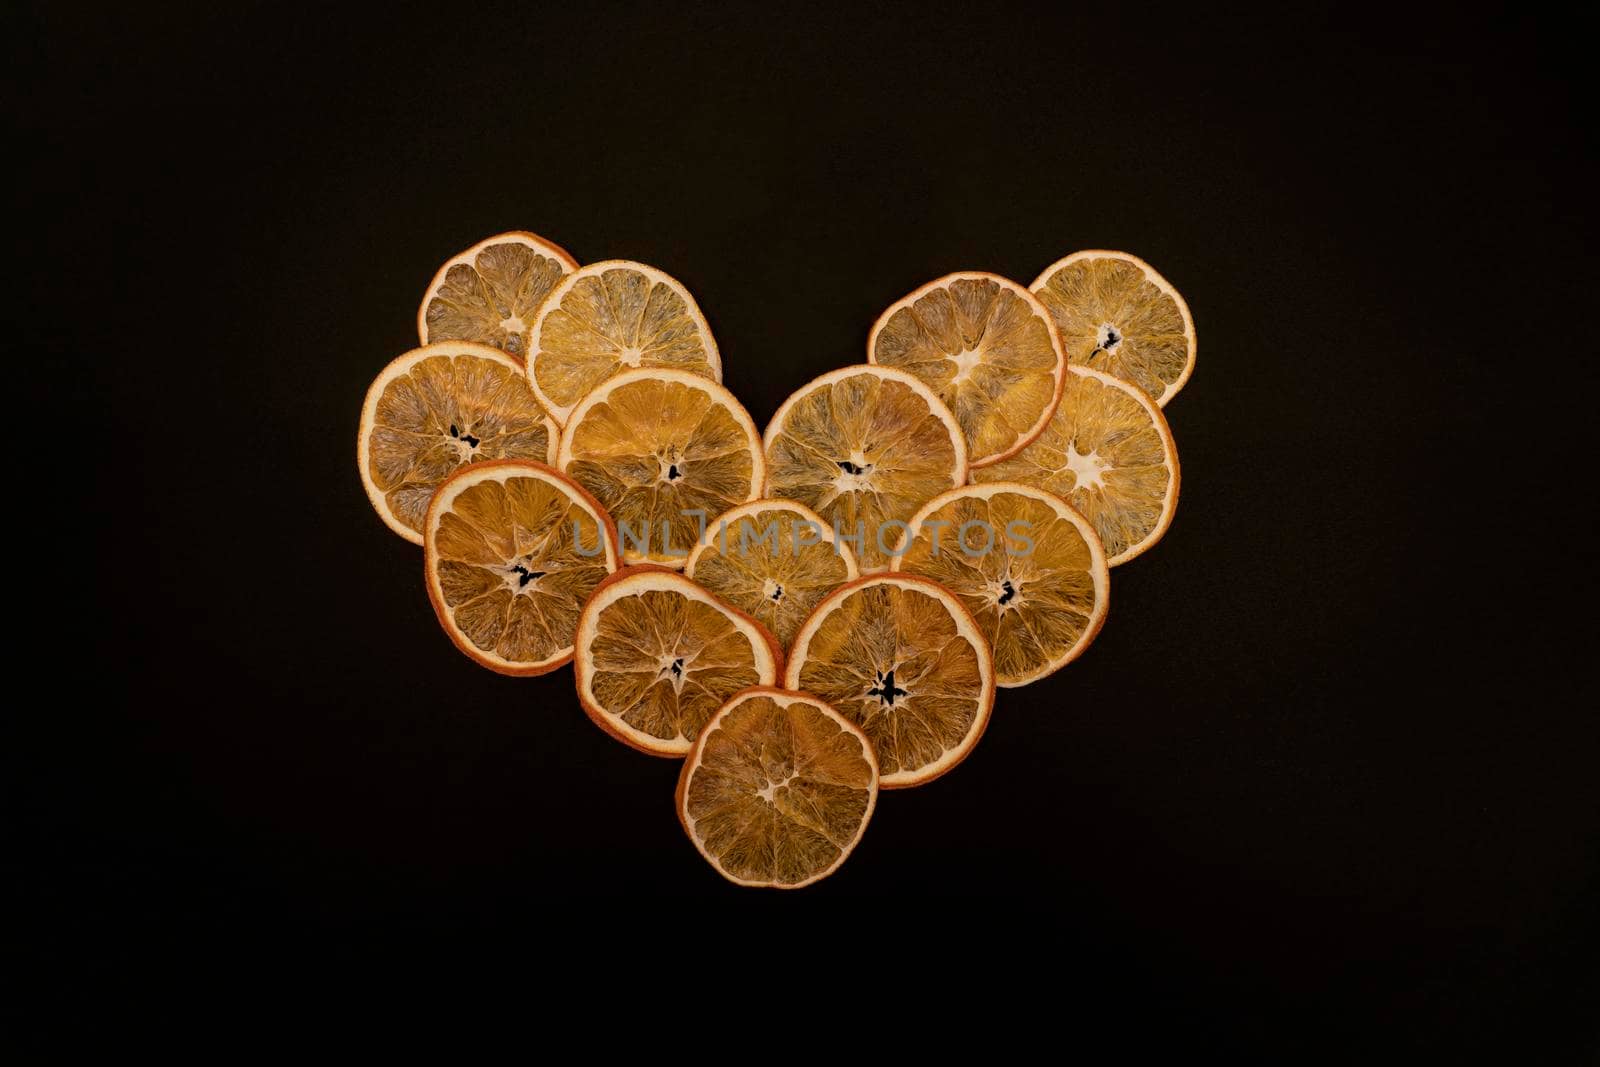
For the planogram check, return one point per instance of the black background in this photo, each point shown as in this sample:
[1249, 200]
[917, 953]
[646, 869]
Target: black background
[1322, 783]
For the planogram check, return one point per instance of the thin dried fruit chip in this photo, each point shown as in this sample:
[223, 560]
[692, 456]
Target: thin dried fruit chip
[864, 447]
[609, 317]
[1115, 313]
[438, 408]
[774, 560]
[662, 450]
[512, 552]
[490, 293]
[987, 347]
[1029, 569]
[657, 655]
[1108, 452]
[778, 789]
[901, 658]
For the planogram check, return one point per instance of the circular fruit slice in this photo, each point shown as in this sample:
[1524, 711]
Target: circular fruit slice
[774, 560]
[658, 655]
[901, 658]
[1108, 452]
[987, 347]
[435, 409]
[491, 292]
[864, 447]
[611, 316]
[778, 789]
[1115, 313]
[1029, 569]
[663, 450]
[513, 550]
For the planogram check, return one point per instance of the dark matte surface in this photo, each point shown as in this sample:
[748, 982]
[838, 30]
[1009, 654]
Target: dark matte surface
[1319, 782]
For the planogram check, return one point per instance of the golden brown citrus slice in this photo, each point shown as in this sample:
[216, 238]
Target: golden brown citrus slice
[610, 316]
[987, 347]
[491, 292]
[1115, 313]
[778, 789]
[901, 658]
[513, 551]
[663, 450]
[657, 656]
[1108, 452]
[864, 447]
[772, 559]
[1029, 569]
[435, 409]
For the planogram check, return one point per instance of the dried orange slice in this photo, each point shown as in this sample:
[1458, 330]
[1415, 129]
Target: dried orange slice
[657, 656]
[607, 317]
[663, 450]
[899, 656]
[1030, 570]
[1116, 314]
[778, 789]
[1109, 453]
[435, 409]
[491, 292]
[864, 447]
[774, 560]
[987, 347]
[513, 550]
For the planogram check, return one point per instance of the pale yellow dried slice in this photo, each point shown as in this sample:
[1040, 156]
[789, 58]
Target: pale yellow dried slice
[1108, 452]
[607, 317]
[774, 560]
[435, 409]
[864, 447]
[657, 656]
[663, 450]
[1115, 313]
[491, 292]
[513, 550]
[777, 790]
[987, 347]
[899, 656]
[1028, 568]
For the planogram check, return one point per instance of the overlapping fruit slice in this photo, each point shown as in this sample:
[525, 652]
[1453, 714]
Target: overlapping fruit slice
[987, 347]
[657, 656]
[1107, 451]
[1115, 313]
[611, 316]
[864, 447]
[512, 552]
[1028, 568]
[899, 656]
[435, 409]
[491, 293]
[663, 450]
[778, 789]
[774, 560]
